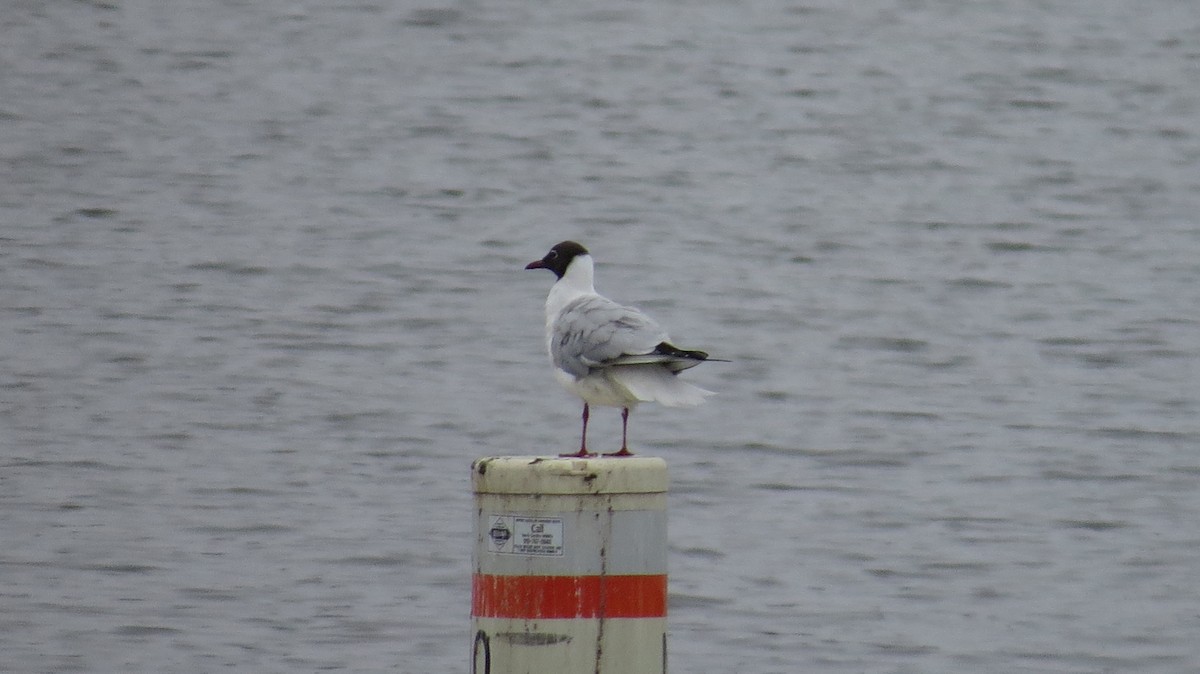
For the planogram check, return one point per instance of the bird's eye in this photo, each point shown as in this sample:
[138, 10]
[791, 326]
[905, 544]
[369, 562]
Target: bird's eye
[552, 255]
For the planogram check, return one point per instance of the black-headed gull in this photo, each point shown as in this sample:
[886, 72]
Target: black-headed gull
[608, 354]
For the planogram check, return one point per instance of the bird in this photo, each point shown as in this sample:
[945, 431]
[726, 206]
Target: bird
[606, 353]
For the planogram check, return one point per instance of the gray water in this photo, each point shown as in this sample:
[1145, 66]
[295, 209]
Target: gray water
[262, 302]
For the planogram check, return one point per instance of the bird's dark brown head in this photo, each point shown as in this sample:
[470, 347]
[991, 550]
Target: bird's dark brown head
[559, 258]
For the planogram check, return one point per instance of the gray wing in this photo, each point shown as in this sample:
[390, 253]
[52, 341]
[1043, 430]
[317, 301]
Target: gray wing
[594, 331]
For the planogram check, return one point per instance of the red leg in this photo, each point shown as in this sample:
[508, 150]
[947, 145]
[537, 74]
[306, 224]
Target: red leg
[624, 435]
[582, 453]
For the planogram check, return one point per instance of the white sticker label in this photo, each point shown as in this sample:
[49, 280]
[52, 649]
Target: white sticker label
[517, 535]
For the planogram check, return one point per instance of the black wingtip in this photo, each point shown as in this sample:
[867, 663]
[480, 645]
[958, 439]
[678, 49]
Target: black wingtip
[668, 349]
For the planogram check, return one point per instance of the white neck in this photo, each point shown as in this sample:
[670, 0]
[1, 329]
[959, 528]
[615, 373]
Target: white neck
[576, 281]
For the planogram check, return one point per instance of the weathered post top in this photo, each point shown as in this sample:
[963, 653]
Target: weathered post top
[545, 475]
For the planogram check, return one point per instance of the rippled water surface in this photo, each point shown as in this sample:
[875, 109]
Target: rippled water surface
[262, 302]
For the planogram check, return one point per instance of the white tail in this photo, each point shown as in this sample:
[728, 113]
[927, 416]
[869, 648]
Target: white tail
[654, 383]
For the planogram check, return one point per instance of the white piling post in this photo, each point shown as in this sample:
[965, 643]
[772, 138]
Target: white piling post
[570, 566]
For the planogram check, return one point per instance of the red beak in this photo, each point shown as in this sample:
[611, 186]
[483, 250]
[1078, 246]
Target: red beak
[536, 264]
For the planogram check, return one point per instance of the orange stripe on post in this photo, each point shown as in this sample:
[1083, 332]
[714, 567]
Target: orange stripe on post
[534, 597]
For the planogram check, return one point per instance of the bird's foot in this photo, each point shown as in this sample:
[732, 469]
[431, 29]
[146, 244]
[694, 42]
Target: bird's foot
[624, 452]
[581, 454]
